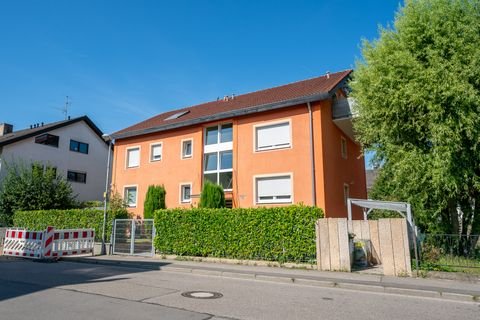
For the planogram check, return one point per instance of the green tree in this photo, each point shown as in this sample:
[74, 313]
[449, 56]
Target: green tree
[154, 200]
[212, 196]
[31, 187]
[417, 90]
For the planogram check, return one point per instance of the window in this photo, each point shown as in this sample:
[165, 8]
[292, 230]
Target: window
[346, 193]
[187, 149]
[133, 157]
[74, 176]
[277, 189]
[218, 168]
[274, 136]
[218, 155]
[78, 146]
[156, 152]
[130, 196]
[343, 147]
[47, 139]
[185, 193]
[219, 134]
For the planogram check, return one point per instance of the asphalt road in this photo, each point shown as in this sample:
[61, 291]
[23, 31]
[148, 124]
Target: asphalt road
[68, 290]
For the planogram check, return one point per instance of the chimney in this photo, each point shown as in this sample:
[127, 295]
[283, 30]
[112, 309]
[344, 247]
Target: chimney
[5, 128]
[328, 74]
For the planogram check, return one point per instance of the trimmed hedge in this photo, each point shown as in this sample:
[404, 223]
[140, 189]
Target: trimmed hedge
[274, 234]
[67, 219]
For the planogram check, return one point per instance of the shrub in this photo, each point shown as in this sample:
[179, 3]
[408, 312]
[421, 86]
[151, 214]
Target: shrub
[68, 219]
[275, 234]
[212, 196]
[154, 200]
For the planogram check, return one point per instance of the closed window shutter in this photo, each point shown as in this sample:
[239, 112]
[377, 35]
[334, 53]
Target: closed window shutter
[133, 158]
[157, 152]
[273, 136]
[274, 189]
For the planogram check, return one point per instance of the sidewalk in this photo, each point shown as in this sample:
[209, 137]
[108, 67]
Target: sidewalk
[433, 288]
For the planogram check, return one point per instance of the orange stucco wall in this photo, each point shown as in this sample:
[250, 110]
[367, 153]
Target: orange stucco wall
[338, 171]
[171, 171]
[332, 171]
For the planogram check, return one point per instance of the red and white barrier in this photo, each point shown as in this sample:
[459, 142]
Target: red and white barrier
[48, 244]
[72, 242]
[23, 243]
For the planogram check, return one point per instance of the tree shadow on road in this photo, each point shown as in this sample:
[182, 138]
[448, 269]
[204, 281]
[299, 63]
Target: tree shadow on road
[20, 277]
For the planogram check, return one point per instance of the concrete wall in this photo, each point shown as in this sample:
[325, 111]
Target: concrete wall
[94, 163]
[389, 238]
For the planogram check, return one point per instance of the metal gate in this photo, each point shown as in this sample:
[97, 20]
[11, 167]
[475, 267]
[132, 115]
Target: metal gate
[133, 237]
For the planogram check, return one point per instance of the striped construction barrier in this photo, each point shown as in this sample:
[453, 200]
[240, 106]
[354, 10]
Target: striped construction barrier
[23, 243]
[48, 244]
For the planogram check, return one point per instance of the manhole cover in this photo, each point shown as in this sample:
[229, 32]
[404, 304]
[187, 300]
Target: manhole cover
[202, 294]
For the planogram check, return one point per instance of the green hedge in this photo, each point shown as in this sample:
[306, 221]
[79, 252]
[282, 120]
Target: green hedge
[273, 234]
[67, 219]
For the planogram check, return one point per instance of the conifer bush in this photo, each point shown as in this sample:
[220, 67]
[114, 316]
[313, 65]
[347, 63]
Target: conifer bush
[154, 200]
[212, 196]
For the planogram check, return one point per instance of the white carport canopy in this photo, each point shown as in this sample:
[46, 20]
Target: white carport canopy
[369, 205]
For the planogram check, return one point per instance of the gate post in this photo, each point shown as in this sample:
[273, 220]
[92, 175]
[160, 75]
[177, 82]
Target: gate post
[132, 237]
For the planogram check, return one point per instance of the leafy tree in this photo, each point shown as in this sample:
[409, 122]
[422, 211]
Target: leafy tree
[31, 187]
[117, 206]
[418, 95]
[155, 199]
[212, 196]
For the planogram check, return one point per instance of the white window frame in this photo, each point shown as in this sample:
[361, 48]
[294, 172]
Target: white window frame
[156, 144]
[127, 150]
[346, 195]
[134, 205]
[182, 199]
[182, 154]
[256, 201]
[268, 124]
[343, 147]
[219, 146]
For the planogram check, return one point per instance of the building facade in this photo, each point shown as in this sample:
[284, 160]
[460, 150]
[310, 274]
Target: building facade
[74, 147]
[285, 145]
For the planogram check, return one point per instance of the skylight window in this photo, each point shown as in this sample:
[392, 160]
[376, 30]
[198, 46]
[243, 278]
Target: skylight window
[177, 115]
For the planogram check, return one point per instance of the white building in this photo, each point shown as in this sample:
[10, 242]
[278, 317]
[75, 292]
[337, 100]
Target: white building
[74, 147]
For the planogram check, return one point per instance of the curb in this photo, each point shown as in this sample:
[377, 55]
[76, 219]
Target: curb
[347, 284]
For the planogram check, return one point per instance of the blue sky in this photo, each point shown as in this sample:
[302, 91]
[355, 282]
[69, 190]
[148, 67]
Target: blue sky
[121, 62]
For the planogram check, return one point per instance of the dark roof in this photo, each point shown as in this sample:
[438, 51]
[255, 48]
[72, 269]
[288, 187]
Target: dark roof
[278, 97]
[27, 133]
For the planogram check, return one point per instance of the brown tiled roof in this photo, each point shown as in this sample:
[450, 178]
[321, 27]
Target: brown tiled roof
[284, 93]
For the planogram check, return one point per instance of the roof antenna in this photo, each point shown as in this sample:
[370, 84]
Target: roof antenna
[65, 109]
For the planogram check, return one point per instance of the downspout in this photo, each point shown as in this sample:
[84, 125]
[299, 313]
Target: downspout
[312, 156]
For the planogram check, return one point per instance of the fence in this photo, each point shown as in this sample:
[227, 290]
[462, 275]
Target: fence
[387, 239]
[133, 237]
[450, 252]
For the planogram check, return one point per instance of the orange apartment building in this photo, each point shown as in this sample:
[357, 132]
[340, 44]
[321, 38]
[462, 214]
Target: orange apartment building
[284, 145]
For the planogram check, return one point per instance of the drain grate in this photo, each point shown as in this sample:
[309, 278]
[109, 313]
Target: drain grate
[202, 295]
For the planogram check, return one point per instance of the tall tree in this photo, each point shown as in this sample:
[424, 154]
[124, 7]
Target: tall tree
[33, 187]
[417, 90]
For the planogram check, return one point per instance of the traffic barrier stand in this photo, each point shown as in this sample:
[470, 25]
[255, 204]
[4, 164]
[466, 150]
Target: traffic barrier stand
[23, 243]
[48, 244]
[72, 242]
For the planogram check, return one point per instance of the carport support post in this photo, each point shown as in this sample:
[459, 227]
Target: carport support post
[414, 231]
